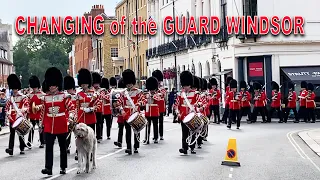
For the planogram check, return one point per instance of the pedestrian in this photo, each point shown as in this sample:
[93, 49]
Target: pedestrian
[234, 104]
[3, 101]
[171, 100]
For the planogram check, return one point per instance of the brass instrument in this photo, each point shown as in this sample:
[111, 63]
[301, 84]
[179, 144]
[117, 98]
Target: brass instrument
[244, 97]
[290, 95]
[214, 94]
[275, 96]
[257, 96]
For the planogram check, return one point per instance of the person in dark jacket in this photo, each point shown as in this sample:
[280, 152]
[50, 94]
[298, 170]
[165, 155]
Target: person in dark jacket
[171, 97]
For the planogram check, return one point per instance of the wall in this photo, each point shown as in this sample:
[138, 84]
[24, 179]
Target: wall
[109, 41]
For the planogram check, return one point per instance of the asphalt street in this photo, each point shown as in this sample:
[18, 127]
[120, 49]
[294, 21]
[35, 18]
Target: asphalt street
[266, 152]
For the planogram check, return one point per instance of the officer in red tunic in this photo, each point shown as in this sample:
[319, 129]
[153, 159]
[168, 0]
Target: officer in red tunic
[113, 85]
[182, 109]
[302, 109]
[234, 104]
[215, 95]
[96, 81]
[226, 109]
[152, 108]
[70, 88]
[106, 108]
[245, 101]
[128, 109]
[22, 103]
[120, 119]
[162, 103]
[292, 101]
[259, 103]
[53, 114]
[276, 102]
[202, 106]
[310, 103]
[34, 115]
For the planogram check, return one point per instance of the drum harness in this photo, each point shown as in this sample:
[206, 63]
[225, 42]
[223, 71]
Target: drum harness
[189, 138]
[19, 114]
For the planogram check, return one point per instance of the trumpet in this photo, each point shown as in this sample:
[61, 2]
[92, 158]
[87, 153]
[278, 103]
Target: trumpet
[236, 96]
[244, 97]
[35, 108]
[290, 96]
[214, 94]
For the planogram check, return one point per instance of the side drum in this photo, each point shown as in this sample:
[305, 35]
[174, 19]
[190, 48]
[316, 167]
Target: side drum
[114, 99]
[22, 126]
[193, 122]
[204, 118]
[137, 122]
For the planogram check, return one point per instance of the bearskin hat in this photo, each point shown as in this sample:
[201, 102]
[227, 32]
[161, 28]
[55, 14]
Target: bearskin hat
[152, 83]
[158, 74]
[34, 82]
[204, 84]
[213, 81]
[113, 81]
[68, 83]
[186, 78]
[243, 84]
[275, 85]
[14, 82]
[229, 78]
[44, 87]
[121, 84]
[196, 82]
[310, 87]
[53, 77]
[290, 85]
[257, 86]
[84, 77]
[209, 86]
[105, 83]
[233, 83]
[304, 84]
[96, 78]
[128, 77]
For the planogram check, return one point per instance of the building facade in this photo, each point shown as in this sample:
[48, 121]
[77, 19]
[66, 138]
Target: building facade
[72, 63]
[132, 50]
[6, 53]
[253, 58]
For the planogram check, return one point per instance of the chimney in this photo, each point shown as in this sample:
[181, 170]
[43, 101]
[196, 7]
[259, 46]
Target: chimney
[96, 10]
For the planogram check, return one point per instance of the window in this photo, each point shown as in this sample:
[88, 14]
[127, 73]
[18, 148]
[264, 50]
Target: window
[250, 8]
[114, 52]
[5, 55]
[223, 18]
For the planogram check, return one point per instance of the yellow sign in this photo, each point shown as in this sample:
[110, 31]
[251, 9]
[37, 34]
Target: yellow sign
[231, 158]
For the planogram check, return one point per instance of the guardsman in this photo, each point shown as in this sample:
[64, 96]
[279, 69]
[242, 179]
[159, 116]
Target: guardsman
[87, 101]
[34, 115]
[245, 101]
[134, 95]
[215, 100]
[207, 108]
[16, 106]
[96, 81]
[292, 103]
[234, 104]
[70, 88]
[44, 88]
[303, 93]
[226, 109]
[310, 103]
[106, 108]
[162, 103]
[259, 103]
[204, 106]
[152, 112]
[120, 120]
[276, 102]
[53, 115]
[182, 109]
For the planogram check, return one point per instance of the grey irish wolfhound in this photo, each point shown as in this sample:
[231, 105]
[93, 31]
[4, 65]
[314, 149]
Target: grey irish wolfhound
[86, 143]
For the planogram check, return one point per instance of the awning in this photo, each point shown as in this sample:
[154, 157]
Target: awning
[309, 74]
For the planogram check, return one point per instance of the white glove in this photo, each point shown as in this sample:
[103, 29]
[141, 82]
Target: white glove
[87, 110]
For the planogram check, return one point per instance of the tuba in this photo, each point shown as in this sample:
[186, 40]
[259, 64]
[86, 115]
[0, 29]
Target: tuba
[34, 108]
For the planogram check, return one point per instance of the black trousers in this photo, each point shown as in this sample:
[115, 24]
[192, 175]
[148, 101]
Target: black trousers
[287, 112]
[68, 140]
[311, 114]
[161, 124]
[245, 110]
[154, 121]
[234, 117]
[225, 114]
[12, 137]
[279, 112]
[99, 125]
[50, 138]
[303, 113]
[108, 119]
[31, 134]
[255, 113]
[216, 112]
[169, 109]
[185, 134]
[128, 137]
[120, 132]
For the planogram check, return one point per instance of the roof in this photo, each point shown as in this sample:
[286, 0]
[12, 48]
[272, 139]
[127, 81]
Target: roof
[120, 3]
[106, 17]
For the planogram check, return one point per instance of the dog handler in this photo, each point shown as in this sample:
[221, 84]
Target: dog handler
[53, 114]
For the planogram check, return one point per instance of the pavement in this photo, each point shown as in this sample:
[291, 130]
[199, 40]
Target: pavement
[266, 152]
[4, 130]
[312, 139]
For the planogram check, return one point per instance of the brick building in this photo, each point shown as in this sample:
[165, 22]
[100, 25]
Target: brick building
[6, 55]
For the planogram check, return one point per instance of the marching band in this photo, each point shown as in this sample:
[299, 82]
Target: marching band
[55, 107]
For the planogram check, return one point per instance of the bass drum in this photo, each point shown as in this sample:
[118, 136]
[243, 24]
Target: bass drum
[115, 96]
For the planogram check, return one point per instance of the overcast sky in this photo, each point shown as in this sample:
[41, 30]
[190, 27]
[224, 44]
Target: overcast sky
[10, 9]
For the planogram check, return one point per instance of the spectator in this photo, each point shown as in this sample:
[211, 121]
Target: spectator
[3, 101]
[171, 96]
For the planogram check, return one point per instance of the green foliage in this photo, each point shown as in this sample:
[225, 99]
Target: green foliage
[33, 54]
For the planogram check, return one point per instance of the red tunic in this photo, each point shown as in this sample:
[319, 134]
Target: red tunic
[152, 105]
[276, 103]
[261, 101]
[202, 103]
[310, 103]
[207, 109]
[35, 98]
[22, 103]
[303, 93]
[73, 101]
[138, 99]
[99, 108]
[53, 112]
[87, 100]
[245, 102]
[105, 97]
[162, 104]
[216, 99]
[292, 100]
[234, 100]
[120, 119]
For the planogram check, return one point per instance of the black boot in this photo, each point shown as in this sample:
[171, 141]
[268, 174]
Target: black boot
[136, 150]
[183, 151]
[46, 171]
[128, 151]
[9, 151]
[63, 171]
[193, 152]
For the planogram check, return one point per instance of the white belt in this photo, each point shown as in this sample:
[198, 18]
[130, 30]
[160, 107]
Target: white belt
[107, 104]
[56, 115]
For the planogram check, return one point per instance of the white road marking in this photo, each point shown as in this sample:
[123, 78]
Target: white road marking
[307, 157]
[294, 145]
[231, 169]
[102, 157]
[230, 175]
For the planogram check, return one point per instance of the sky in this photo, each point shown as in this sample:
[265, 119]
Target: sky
[11, 9]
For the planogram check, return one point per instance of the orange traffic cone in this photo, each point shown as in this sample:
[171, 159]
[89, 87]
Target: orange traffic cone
[231, 158]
